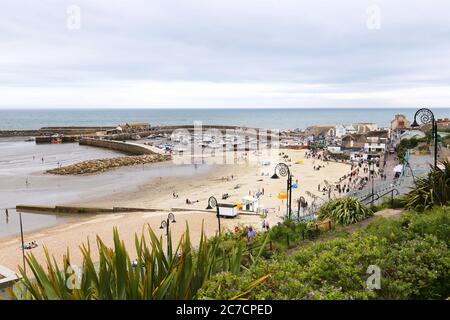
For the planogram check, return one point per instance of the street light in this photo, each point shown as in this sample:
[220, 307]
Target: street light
[165, 224]
[212, 203]
[371, 173]
[23, 244]
[426, 116]
[283, 170]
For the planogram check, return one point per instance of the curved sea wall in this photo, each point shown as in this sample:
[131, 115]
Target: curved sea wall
[19, 133]
[125, 147]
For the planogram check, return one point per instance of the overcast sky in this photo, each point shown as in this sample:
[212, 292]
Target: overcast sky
[224, 53]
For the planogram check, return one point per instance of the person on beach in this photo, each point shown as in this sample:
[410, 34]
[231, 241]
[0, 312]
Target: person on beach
[6, 212]
[251, 234]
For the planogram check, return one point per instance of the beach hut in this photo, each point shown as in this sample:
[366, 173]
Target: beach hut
[250, 203]
[228, 210]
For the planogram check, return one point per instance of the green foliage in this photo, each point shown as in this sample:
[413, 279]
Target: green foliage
[406, 144]
[388, 203]
[290, 234]
[436, 222]
[157, 273]
[432, 190]
[344, 211]
[414, 262]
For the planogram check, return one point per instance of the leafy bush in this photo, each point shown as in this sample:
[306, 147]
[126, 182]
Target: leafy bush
[406, 144]
[432, 190]
[157, 272]
[292, 233]
[436, 222]
[414, 262]
[344, 211]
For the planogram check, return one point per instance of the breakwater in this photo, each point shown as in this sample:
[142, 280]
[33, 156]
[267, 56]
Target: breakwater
[79, 209]
[71, 131]
[102, 165]
[19, 133]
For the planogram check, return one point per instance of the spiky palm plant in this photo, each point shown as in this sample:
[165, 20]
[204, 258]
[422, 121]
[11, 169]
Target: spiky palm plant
[177, 273]
[344, 211]
[431, 190]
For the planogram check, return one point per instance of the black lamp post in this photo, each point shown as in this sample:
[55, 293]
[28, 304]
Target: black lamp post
[426, 116]
[371, 174]
[283, 170]
[165, 224]
[212, 203]
[23, 244]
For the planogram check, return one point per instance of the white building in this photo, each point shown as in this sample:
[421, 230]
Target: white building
[374, 147]
[342, 130]
[365, 127]
[334, 149]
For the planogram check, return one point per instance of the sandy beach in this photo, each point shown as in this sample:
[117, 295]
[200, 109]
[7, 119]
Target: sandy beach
[238, 180]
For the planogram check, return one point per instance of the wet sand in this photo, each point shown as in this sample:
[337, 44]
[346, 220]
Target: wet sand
[23, 180]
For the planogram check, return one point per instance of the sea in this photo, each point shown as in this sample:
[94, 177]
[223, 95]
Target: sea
[274, 118]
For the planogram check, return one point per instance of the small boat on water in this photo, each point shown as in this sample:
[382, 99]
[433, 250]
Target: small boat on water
[29, 140]
[56, 141]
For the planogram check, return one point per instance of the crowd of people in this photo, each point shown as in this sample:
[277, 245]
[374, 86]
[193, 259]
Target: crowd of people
[358, 177]
[30, 245]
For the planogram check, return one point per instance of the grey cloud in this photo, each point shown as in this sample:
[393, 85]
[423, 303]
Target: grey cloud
[288, 41]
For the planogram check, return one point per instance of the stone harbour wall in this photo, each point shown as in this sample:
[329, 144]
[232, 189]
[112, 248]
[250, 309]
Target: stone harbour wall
[19, 133]
[125, 147]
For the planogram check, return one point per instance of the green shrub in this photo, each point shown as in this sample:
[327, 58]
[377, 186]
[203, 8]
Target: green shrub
[432, 190]
[159, 272]
[412, 254]
[435, 222]
[290, 232]
[344, 211]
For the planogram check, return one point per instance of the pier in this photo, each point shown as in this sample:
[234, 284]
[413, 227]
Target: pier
[125, 147]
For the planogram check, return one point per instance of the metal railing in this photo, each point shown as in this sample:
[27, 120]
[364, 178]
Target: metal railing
[378, 196]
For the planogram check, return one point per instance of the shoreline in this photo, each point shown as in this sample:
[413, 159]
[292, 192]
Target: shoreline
[158, 193]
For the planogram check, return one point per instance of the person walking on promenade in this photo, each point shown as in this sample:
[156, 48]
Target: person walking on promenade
[251, 234]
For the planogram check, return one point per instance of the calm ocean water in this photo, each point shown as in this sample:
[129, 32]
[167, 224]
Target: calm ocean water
[262, 118]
